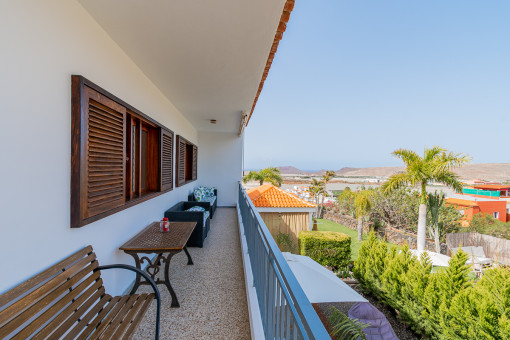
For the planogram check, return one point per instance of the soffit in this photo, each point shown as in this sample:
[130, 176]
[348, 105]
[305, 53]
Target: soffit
[206, 57]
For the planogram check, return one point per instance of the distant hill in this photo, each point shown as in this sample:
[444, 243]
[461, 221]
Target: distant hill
[342, 171]
[486, 171]
[290, 170]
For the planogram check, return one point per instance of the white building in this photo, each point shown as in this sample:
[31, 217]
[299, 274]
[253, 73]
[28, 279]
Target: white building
[167, 68]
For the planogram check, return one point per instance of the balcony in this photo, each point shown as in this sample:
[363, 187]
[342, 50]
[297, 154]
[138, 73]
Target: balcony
[213, 292]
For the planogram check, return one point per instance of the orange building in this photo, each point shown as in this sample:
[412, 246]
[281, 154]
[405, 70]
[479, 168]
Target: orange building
[470, 205]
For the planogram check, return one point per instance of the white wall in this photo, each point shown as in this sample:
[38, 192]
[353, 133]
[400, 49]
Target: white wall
[43, 43]
[220, 164]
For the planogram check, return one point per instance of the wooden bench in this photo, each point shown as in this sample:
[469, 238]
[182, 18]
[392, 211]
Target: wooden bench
[69, 301]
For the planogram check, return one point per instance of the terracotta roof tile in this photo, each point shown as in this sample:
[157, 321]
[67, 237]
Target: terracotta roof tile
[491, 186]
[269, 196]
[458, 201]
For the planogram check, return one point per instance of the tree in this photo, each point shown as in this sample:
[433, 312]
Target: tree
[271, 175]
[434, 203]
[345, 202]
[436, 165]
[362, 205]
[316, 190]
[397, 209]
[328, 176]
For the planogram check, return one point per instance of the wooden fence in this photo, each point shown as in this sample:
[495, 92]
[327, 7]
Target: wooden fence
[495, 248]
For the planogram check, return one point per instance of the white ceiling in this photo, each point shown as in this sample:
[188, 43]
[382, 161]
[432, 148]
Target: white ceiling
[206, 56]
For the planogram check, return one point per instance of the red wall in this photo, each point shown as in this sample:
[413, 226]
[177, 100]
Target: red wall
[489, 207]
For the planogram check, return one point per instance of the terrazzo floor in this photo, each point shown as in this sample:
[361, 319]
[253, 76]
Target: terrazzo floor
[211, 292]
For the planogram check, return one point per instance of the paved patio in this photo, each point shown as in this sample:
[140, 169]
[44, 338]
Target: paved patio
[211, 292]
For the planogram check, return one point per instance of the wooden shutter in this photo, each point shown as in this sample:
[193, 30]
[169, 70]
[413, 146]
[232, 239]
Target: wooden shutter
[180, 162]
[167, 139]
[98, 161]
[195, 162]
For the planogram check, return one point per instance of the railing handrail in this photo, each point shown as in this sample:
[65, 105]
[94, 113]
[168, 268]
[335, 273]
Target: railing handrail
[307, 317]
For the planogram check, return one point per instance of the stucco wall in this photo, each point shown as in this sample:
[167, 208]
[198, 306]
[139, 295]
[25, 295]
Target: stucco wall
[220, 164]
[43, 44]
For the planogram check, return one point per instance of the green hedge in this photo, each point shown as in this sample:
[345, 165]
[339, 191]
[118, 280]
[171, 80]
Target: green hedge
[328, 248]
[446, 304]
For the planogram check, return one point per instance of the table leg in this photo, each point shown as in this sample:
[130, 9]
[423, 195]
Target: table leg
[190, 261]
[175, 302]
[138, 276]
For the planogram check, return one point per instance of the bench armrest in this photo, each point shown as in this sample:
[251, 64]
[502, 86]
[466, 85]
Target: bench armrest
[146, 277]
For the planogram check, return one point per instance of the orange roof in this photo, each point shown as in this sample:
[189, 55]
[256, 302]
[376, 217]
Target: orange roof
[491, 186]
[458, 201]
[269, 196]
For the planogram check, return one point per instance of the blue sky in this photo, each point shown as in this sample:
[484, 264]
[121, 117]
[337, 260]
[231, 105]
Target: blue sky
[354, 80]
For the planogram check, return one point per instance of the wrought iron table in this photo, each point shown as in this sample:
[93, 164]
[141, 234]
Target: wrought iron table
[151, 241]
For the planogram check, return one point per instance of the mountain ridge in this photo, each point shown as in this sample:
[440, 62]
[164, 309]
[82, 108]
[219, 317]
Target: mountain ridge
[483, 171]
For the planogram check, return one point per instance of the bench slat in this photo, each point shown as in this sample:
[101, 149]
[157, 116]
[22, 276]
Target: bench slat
[67, 300]
[75, 317]
[141, 313]
[136, 310]
[115, 322]
[108, 317]
[15, 322]
[23, 287]
[112, 302]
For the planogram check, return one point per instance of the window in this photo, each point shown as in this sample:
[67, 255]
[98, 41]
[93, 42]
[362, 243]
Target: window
[119, 156]
[185, 161]
[496, 214]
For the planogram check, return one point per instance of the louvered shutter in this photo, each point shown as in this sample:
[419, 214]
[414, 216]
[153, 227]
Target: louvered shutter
[105, 162]
[195, 162]
[98, 176]
[180, 162]
[166, 160]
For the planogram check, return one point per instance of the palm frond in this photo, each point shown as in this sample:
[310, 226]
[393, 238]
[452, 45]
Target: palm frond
[432, 153]
[449, 179]
[395, 182]
[407, 156]
[343, 327]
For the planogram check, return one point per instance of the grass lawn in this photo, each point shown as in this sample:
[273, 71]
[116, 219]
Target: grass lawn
[326, 225]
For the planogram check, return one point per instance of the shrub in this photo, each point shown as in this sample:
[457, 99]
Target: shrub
[328, 248]
[442, 305]
[488, 225]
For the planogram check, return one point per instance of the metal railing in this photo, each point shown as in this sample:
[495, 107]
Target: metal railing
[285, 310]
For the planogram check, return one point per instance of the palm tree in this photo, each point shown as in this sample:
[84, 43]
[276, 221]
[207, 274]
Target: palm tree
[362, 206]
[271, 175]
[435, 165]
[316, 190]
[434, 203]
[328, 176]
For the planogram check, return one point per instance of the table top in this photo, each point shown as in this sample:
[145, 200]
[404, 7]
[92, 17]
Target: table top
[150, 239]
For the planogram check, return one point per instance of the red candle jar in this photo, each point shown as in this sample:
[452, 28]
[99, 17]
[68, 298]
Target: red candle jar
[164, 225]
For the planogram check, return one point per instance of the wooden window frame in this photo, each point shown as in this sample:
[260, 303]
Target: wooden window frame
[79, 153]
[189, 164]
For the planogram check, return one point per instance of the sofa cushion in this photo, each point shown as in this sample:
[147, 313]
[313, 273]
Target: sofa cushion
[206, 213]
[202, 192]
[209, 199]
[196, 209]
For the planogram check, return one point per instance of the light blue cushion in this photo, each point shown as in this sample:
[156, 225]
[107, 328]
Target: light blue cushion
[209, 199]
